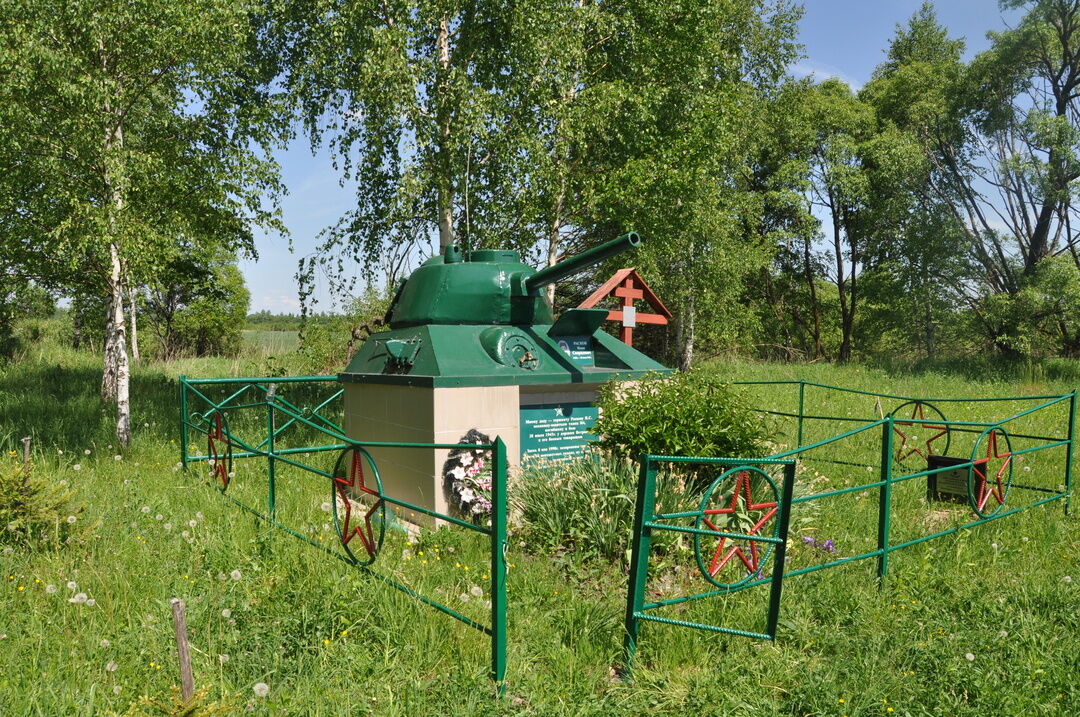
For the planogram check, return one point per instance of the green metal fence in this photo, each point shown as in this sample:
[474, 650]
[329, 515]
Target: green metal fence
[961, 466]
[251, 418]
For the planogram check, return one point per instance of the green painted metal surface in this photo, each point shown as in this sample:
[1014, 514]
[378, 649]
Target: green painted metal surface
[480, 320]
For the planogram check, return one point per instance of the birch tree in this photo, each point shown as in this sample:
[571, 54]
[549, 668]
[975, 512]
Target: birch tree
[133, 129]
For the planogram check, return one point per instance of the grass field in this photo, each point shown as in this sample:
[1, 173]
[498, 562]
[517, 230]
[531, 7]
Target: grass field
[984, 622]
[271, 342]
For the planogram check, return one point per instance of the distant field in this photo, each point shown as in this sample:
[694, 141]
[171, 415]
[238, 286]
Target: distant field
[272, 342]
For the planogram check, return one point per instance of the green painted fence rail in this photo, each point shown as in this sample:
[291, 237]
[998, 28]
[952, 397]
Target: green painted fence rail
[889, 474]
[201, 414]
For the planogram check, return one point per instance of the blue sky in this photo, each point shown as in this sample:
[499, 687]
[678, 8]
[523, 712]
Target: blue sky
[842, 38]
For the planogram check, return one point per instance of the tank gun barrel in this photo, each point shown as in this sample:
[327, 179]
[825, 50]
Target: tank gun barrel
[580, 262]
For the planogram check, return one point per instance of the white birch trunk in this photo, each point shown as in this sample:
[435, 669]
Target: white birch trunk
[684, 335]
[116, 341]
[116, 379]
[446, 191]
[132, 295]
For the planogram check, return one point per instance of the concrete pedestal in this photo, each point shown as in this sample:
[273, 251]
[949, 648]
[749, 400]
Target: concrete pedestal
[416, 414]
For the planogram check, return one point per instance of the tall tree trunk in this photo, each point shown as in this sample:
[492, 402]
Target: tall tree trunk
[115, 380]
[132, 295]
[842, 293]
[109, 373]
[684, 335]
[815, 306]
[116, 354]
[442, 103]
[555, 241]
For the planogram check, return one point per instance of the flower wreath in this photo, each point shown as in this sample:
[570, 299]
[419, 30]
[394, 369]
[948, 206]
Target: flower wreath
[467, 476]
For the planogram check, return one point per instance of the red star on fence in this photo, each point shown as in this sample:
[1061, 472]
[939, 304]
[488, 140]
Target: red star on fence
[365, 532]
[917, 412]
[742, 490]
[984, 487]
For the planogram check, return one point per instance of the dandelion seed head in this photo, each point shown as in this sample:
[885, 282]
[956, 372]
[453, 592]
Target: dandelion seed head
[145, 509]
[167, 526]
[71, 519]
[9, 550]
[192, 523]
[50, 588]
[76, 467]
[198, 515]
[72, 585]
[116, 689]
[226, 613]
[118, 458]
[223, 659]
[185, 534]
[1066, 579]
[464, 597]
[105, 643]
[78, 598]
[969, 657]
[476, 591]
[159, 516]
[235, 575]
[111, 667]
[261, 689]
[91, 602]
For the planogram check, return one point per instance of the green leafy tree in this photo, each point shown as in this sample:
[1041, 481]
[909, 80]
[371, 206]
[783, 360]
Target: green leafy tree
[131, 130]
[197, 308]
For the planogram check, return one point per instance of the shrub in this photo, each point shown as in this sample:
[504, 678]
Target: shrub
[32, 510]
[587, 505]
[691, 414]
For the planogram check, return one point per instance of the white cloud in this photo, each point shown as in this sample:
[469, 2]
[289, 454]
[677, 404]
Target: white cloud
[276, 303]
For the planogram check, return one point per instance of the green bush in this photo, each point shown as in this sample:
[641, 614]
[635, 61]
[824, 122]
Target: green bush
[587, 505]
[689, 414]
[32, 510]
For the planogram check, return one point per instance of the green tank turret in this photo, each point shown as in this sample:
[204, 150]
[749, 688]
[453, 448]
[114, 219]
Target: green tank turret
[479, 319]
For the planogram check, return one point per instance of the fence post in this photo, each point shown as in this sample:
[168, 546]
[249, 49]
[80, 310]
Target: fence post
[183, 422]
[271, 492]
[498, 564]
[1069, 452]
[639, 557]
[885, 496]
[802, 406]
[777, 586]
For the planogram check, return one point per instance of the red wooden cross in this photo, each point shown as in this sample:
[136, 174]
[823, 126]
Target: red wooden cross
[628, 286]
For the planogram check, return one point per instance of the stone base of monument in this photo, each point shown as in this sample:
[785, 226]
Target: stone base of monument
[535, 422]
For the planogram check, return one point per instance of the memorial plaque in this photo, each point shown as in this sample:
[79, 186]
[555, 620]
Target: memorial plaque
[950, 486]
[578, 348]
[556, 431]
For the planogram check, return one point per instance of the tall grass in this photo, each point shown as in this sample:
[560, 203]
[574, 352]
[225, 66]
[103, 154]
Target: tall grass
[982, 622]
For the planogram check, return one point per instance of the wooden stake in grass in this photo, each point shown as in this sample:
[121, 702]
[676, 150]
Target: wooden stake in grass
[187, 682]
[26, 456]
